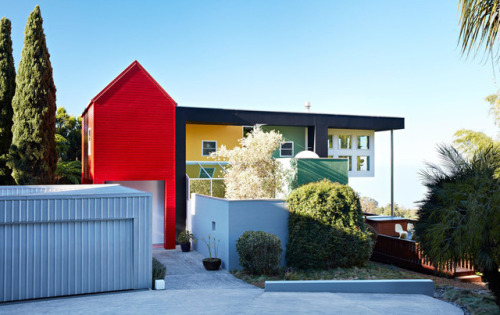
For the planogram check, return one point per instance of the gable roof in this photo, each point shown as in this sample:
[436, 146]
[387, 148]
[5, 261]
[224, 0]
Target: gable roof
[108, 87]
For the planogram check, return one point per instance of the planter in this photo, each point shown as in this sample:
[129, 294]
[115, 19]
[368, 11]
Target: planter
[159, 284]
[211, 263]
[185, 247]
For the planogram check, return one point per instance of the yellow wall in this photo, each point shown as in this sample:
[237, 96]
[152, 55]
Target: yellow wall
[224, 135]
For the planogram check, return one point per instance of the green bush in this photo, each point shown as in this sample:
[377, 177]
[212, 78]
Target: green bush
[159, 270]
[202, 187]
[326, 228]
[259, 252]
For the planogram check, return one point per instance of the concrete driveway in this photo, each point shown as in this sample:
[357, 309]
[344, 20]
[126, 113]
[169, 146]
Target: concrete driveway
[193, 290]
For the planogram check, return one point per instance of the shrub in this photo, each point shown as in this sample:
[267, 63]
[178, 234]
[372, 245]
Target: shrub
[185, 237]
[326, 228]
[159, 270]
[259, 252]
[202, 187]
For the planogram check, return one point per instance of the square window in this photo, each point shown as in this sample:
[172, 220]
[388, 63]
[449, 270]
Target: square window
[344, 142]
[330, 142]
[349, 160]
[208, 147]
[363, 163]
[247, 130]
[363, 142]
[286, 149]
[209, 170]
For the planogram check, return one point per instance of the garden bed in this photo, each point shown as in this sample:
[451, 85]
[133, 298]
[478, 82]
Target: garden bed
[472, 298]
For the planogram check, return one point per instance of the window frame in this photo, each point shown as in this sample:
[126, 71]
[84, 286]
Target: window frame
[281, 148]
[243, 130]
[202, 148]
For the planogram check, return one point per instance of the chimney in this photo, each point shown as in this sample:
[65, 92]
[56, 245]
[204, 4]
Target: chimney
[307, 105]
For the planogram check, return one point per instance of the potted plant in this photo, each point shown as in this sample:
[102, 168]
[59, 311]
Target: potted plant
[212, 262]
[183, 238]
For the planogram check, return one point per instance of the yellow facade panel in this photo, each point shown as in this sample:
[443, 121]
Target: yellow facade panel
[223, 135]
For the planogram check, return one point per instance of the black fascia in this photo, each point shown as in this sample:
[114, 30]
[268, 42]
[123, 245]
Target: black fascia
[200, 115]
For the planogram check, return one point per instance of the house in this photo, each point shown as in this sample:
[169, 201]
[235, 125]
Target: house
[136, 135]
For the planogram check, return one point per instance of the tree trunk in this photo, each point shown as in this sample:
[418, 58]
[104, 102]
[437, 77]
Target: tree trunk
[493, 279]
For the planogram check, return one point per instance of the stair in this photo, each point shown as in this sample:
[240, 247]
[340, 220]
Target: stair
[471, 278]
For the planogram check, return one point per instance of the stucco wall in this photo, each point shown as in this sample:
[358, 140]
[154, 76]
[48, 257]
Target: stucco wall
[232, 218]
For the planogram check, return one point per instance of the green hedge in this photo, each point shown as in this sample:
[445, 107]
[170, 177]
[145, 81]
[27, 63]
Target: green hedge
[326, 228]
[202, 187]
[259, 252]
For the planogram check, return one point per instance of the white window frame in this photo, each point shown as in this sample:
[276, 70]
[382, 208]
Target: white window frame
[203, 141]
[354, 152]
[281, 155]
[89, 141]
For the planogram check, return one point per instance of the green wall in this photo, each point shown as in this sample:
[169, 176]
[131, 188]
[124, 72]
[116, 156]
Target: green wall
[313, 170]
[295, 134]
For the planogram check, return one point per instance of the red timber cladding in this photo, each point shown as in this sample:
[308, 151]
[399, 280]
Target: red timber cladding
[134, 136]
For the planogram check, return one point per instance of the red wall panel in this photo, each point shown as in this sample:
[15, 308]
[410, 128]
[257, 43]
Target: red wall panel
[134, 136]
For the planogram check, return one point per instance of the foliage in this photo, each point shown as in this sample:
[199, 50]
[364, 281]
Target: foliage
[398, 211]
[473, 302]
[479, 24]
[185, 237]
[202, 187]
[68, 172]
[259, 252]
[33, 155]
[212, 244]
[68, 136]
[253, 173]
[368, 205]
[7, 90]
[371, 271]
[459, 218]
[159, 270]
[326, 228]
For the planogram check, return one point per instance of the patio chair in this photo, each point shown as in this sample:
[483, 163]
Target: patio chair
[410, 228]
[402, 233]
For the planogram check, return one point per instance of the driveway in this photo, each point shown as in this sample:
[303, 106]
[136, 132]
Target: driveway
[193, 290]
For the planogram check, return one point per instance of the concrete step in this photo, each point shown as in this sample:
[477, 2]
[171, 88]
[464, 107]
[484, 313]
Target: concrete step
[471, 278]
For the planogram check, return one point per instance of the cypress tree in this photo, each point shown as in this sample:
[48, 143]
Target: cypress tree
[33, 152]
[7, 90]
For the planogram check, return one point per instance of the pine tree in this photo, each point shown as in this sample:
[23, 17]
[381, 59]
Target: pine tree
[33, 152]
[7, 90]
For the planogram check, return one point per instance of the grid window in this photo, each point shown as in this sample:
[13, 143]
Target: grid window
[344, 142]
[363, 142]
[330, 142]
[208, 147]
[286, 149]
[349, 160]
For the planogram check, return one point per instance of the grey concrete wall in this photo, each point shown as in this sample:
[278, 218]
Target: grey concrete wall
[65, 240]
[270, 216]
[232, 218]
[209, 216]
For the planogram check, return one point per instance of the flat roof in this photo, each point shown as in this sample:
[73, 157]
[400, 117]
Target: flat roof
[202, 115]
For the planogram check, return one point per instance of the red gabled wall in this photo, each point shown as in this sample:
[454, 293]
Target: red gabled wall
[133, 137]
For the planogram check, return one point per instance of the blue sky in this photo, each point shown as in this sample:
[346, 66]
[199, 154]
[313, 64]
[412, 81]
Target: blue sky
[387, 58]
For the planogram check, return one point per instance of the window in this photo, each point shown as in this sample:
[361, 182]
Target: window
[349, 160]
[363, 163]
[209, 170]
[247, 130]
[344, 142]
[330, 142]
[363, 142]
[208, 147]
[89, 141]
[286, 149]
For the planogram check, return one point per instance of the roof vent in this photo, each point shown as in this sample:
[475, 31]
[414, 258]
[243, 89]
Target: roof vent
[307, 105]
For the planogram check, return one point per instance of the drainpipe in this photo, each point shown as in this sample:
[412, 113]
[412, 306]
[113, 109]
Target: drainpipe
[392, 172]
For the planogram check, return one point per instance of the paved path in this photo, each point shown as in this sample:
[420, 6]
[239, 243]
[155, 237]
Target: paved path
[193, 290]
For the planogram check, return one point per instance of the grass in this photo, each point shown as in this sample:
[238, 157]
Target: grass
[472, 297]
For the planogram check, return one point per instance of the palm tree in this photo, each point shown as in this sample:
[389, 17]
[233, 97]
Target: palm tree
[479, 24]
[459, 218]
